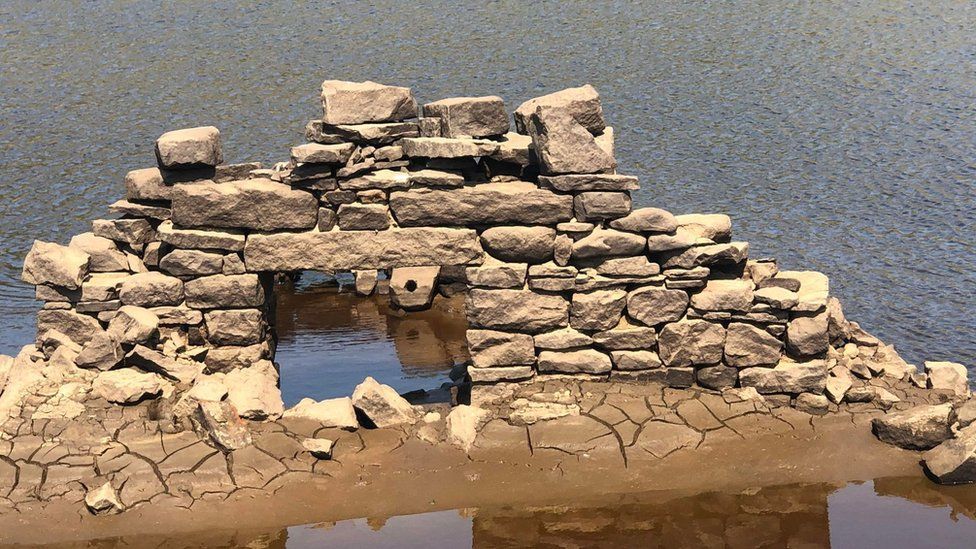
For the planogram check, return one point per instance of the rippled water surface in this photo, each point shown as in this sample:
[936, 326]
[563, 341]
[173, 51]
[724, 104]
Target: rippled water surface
[840, 135]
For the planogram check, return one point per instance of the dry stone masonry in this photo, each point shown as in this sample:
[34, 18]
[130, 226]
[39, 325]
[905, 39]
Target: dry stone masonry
[171, 303]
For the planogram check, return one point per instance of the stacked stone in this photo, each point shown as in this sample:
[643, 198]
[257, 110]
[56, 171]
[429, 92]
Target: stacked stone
[563, 276]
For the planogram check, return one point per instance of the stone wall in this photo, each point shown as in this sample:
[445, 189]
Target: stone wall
[563, 276]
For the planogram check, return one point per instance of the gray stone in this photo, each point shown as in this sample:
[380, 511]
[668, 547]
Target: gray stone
[590, 182]
[787, 377]
[600, 310]
[259, 204]
[625, 336]
[635, 360]
[495, 274]
[382, 405]
[517, 310]
[691, 343]
[582, 103]
[105, 254]
[747, 345]
[948, 376]
[200, 239]
[519, 244]
[584, 361]
[361, 102]
[722, 255]
[320, 448]
[564, 146]
[717, 377]
[78, 327]
[103, 500]
[327, 219]
[147, 184]
[559, 340]
[317, 153]
[654, 305]
[953, 461]
[189, 148]
[412, 288]
[219, 422]
[628, 266]
[724, 295]
[358, 250]
[192, 263]
[812, 404]
[470, 116]
[334, 412]
[54, 264]
[364, 217]
[716, 227]
[445, 147]
[608, 243]
[646, 220]
[127, 386]
[807, 335]
[490, 348]
[225, 291]
[514, 203]
[235, 327]
[601, 205]
[918, 428]
[372, 134]
[102, 352]
[254, 391]
[151, 289]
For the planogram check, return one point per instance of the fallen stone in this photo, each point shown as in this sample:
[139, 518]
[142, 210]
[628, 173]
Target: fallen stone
[807, 335]
[225, 291]
[320, 448]
[691, 343]
[563, 145]
[382, 405]
[919, 428]
[953, 461]
[78, 327]
[490, 348]
[519, 244]
[608, 243]
[356, 250]
[218, 421]
[514, 203]
[102, 352]
[470, 116]
[812, 404]
[189, 148]
[105, 254]
[463, 423]
[254, 391]
[949, 376]
[445, 147]
[152, 289]
[192, 263]
[50, 263]
[584, 361]
[600, 310]
[654, 305]
[724, 295]
[258, 204]
[182, 370]
[787, 377]
[317, 153]
[518, 310]
[333, 412]
[716, 227]
[582, 104]
[412, 288]
[361, 102]
[128, 386]
[103, 500]
[837, 387]
[199, 238]
[747, 345]
[601, 205]
[235, 327]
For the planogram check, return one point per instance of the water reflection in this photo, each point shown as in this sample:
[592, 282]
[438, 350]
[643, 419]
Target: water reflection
[329, 339]
[889, 513]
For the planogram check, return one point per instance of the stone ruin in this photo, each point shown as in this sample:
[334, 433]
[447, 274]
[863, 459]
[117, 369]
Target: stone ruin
[172, 302]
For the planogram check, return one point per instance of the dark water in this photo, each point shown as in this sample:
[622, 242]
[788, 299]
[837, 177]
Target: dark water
[839, 134]
[889, 513]
[329, 339]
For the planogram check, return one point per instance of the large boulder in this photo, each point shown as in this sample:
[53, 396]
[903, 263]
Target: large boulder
[105, 253]
[582, 104]
[491, 348]
[128, 386]
[948, 376]
[599, 310]
[584, 361]
[220, 291]
[724, 295]
[653, 305]
[254, 391]
[412, 288]
[807, 336]
[189, 148]
[919, 428]
[470, 116]
[333, 412]
[362, 102]
[54, 264]
[747, 345]
[514, 203]
[516, 310]
[152, 289]
[361, 250]
[953, 461]
[564, 146]
[520, 244]
[691, 343]
[258, 204]
[382, 405]
[787, 377]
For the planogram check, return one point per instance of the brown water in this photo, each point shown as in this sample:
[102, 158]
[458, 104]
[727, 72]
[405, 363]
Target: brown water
[885, 514]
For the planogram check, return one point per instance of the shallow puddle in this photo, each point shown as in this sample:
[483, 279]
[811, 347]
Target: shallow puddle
[886, 513]
[329, 339]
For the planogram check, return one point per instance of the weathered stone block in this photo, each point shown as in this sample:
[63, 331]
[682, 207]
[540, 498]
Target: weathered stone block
[235, 327]
[153, 289]
[724, 295]
[717, 227]
[470, 116]
[691, 343]
[364, 217]
[516, 310]
[412, 288]
[317, 153]
[191, 263]
[357, 250]
[189, 148]
[814, 289]
[490, 348]
[225, 359]
[787, 377]
[918, 428]
[200, 238]
[54, 264]
[105, 254]
[635, 360]
[807, 336]
[626, 336]
[608, 243]
[381, 179]
[515, 203]
[519, 244]
[710, 255]
[600, 205]
[584, 361]
[445, 147]
[360, 102]
[747, 345]
[371, 134]
[646, 220]
[259, 204]
[225, 291]
[564, 146]
[600, 310]
[582, 103]
[495, 274]
[559, 340]
[78, 327]
[628, 267]
[131, 231]
[147, 184]
[654, 305]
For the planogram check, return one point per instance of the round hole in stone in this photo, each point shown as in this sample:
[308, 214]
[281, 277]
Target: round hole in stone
[411, 286]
